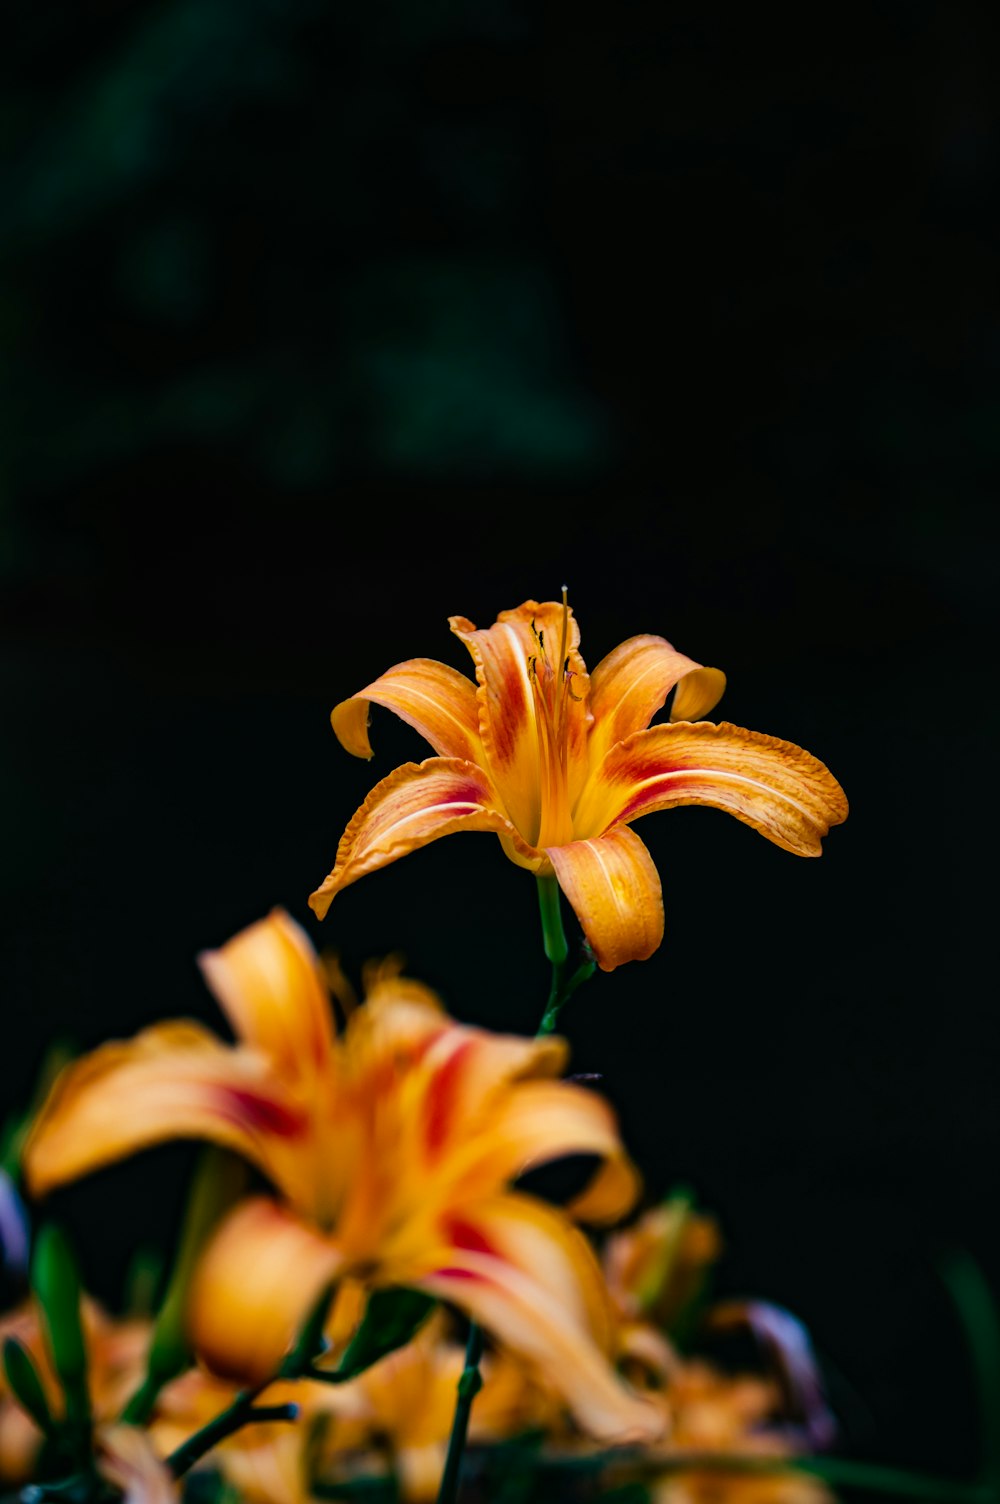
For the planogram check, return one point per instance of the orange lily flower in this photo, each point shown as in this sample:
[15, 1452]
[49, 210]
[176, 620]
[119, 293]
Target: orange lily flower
[393, 1148]
[559, 764]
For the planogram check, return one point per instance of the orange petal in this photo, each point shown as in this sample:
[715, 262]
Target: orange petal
[628, 687]
[510, 719]
[174, 1080]
[546, 1120]
[461, 1079]
[531, 1279]
[778, 788]
[254, 1286]
[268, 981]
[434, 1086]
[417, 804]
[615, 892]
[434, 699]
[385, 987]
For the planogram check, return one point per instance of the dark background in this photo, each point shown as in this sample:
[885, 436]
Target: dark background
[321, 323]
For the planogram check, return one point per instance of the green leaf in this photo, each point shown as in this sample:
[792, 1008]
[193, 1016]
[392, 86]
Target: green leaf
[218, 1180]
[56, 1282]
[22, 1376]
[392, 1317]
[143, 1279]
[976, 1307]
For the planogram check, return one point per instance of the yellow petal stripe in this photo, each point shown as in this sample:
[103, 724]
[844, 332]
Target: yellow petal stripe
[434, 699]
[417, 804]
[614, 889]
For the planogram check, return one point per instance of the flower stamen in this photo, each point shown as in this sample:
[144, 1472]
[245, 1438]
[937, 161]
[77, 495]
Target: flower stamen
[552, 693]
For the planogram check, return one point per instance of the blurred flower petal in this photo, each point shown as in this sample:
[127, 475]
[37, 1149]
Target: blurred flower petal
[269, 983]
[174, 1080]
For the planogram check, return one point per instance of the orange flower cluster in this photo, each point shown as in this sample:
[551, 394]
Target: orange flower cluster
[395, 1418]
[393, 1147]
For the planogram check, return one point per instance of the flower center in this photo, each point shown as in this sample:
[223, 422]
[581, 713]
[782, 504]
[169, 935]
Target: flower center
[551, 681]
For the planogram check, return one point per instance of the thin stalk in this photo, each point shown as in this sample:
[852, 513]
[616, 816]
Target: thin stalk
[564, 982]
[242, 1412]
[469, 1386]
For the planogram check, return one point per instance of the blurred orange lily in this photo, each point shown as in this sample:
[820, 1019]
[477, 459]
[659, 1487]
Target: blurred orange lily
[559, 764]
[393, 1148]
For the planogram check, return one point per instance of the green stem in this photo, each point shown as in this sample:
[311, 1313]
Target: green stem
[553, 934]
[469, 1386]
[241, 1412]
[232, 1418]
[556, 949]
[564, 982]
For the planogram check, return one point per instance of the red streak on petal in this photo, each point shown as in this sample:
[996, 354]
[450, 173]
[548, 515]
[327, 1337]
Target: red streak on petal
[463, 1234]
[441, 1096]
[638, 769]
[464, 793]
[457, 1274]
[261, 1113]
[508, 712]
[642, 798]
